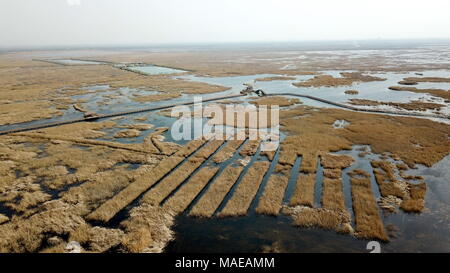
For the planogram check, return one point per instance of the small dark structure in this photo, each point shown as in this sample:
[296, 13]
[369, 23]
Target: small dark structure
[249, 89]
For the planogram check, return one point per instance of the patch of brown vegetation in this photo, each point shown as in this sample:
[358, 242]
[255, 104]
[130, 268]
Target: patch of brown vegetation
[275, 100]
[304, 190]
[98, 188]
[147, 229]
[154, 142]
[26, 111]
[227, 152]
[207, 150]
[156, 97]
[245, 191]
[445, 94]
[387, 181]
[157, 194]
[415, 201]
[184, 196]
[410, 106]
[78, 130]
[324, 80]
[250, 148]
[331, 161]
[94, 239]
[307, 217]
[211, 199]
[27, 235]
[33, 91]
[138, 126]
[271, 200]
[427, 79]
[333, 194]
[147, 177]
[82, 178]
[358, 76]
[411, 140]
[275, 78]
[286, 160]
[332, 173]
[87, 142]
[351, 92]
[348, 78]
[358, 173]
[130, 133]
[95, 168]
[407, 83]
[368, 221]
[287, 156]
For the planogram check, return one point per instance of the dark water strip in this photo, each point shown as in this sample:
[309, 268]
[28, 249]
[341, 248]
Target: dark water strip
[318, 185]
[295, 172]
[251, 210]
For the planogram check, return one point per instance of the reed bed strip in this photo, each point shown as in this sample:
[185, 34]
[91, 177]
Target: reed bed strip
[333, 194]
[166, 186]
[304, 190]
[415, 201]
[227, 151]
[367, 217]
[271, 200]
[213, 197]
[147, 178]
[90, 142]
[250, 148]
[246, 190]
[205, 152]
[181, 200]
[287, 157]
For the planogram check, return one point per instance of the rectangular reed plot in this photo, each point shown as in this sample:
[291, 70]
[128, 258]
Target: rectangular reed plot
[145, 180]
[304, 190]
[184, 196]
[173, 180]
[367, 217]
[169, 183]
[309, 162]
[246, 190]
[271, 201]
[207, 150]
[287, 157]
[331, 161]
[250, 148]
[286, 160]
[228, 151]
[212, 198]
[190, 148]
[333, 194]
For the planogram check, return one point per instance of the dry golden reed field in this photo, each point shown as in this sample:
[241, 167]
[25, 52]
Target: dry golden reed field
[123, 191]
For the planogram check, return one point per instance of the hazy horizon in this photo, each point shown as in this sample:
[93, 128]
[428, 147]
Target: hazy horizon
[103, 23]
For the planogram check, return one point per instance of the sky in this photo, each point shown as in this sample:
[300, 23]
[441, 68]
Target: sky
[35, 23]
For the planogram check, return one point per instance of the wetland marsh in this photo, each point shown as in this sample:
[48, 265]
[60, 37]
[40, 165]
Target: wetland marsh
[338, 180]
